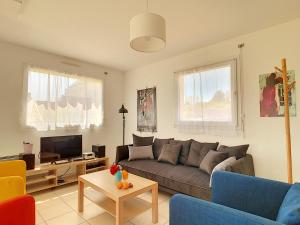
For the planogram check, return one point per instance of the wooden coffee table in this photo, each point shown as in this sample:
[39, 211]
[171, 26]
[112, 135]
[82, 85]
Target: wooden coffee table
[119, 203]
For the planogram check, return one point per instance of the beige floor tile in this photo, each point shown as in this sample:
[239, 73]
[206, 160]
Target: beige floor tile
[55, 211]
[48, 203]
[43, 196]
[161, 196]
[63, 190]
[164, 209]
[71, 218]
[73, 203]
[146, 219]
[38, 218]
[106, 219]
[91, 211]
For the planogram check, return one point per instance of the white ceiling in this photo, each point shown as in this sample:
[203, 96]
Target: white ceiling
[97, 31]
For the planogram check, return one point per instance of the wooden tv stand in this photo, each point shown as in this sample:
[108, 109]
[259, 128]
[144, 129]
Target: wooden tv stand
[46, 176]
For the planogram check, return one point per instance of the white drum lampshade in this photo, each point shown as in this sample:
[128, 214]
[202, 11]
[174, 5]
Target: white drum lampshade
[147, 32]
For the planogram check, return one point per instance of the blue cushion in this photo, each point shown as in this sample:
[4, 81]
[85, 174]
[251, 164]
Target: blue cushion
[254, 195]
[289, 212]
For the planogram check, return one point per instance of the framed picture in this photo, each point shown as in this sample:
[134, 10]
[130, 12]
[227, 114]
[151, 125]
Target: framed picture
[146, 110]
[272, 95]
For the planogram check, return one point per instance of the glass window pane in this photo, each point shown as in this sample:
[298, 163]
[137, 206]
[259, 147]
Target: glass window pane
[206, 95]
[61, 100]
[216, 89]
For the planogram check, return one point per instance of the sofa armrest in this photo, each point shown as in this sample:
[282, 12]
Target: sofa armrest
[13, 168]
[11, 187]
[122, 153]
[19, 210]
[243, 165]
[250, 194]
[186, 210]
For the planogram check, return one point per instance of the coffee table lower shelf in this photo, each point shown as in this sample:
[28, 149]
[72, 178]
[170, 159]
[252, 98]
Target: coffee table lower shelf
[132, 207]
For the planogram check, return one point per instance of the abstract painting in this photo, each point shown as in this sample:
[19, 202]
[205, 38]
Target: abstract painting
[272, 95]
[146, 110]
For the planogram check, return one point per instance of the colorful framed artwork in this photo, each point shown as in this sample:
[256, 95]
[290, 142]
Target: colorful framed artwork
[146, 110]
[272, 95]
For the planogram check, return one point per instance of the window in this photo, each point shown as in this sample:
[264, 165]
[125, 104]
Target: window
[207, 96]
[59, 100]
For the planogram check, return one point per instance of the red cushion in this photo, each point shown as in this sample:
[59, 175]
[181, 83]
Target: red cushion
[18, 211]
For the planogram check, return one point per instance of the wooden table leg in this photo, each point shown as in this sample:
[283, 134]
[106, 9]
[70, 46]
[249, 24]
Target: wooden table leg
[80, 196]
[119, 212]
[155, 204]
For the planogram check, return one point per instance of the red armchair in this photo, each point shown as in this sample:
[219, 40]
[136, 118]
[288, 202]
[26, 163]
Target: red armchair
[18, 211]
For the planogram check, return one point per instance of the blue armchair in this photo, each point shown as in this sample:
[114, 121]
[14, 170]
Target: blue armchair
[236, 200]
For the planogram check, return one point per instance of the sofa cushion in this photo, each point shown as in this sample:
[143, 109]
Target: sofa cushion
[142, 141]
[140, 152]
[289, 212]
[180, 178]
[170, 153]
[158, 144]
[197, 152]
[145, 168]
[238, 151]
[212, 159]
[223, 166]
[184, 150]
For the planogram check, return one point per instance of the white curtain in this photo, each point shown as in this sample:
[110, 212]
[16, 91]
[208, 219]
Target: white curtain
[207, 100]
[58, 100]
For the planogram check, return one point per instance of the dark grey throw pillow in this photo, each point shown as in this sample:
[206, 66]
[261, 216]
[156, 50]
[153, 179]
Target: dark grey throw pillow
[197, 152]
[212, 159]
[170, 153]
[158, 144]
[142, 141]
[184, 153]
[238, 151]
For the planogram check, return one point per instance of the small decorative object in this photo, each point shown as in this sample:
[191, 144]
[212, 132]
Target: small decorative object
[121, 177]
[123, 110]
[28, 147]
[118, 176]
[272, 94]
[146, 110]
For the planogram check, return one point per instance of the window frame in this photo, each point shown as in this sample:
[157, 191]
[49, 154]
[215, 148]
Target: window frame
[234, 97]
[48, 71]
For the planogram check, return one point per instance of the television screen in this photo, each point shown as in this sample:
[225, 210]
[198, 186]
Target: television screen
[59, 148]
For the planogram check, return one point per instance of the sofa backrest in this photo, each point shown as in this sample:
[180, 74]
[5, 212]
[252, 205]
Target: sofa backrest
[254, 195]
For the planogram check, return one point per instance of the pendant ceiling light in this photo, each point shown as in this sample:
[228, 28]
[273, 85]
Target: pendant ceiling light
[147, 32]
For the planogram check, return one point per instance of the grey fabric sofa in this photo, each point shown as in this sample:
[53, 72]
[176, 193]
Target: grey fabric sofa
[178, 178]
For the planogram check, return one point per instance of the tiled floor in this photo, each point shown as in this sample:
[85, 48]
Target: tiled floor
[59, 207]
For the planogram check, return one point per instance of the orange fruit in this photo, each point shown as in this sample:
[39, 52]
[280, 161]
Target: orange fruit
[125, 174]
[125, 185]
[120, 185]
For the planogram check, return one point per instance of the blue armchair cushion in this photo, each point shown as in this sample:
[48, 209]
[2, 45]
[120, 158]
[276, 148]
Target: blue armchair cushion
[254, 195]
[289, 212]
[186, 210]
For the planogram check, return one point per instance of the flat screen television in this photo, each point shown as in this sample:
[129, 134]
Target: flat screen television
[60, 148]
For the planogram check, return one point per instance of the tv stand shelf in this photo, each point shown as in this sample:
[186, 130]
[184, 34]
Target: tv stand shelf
[46, 176]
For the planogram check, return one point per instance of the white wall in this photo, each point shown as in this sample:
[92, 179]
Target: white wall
[263, 50]
[12, 63]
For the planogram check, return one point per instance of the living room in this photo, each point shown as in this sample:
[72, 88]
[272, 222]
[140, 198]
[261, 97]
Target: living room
[46, 45]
